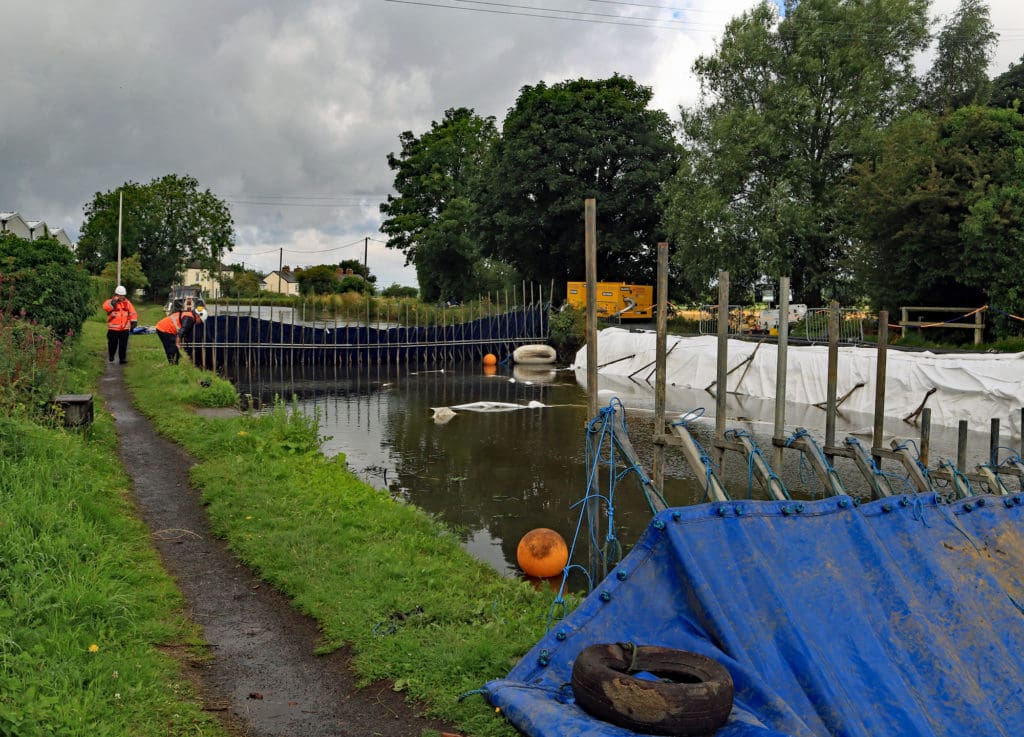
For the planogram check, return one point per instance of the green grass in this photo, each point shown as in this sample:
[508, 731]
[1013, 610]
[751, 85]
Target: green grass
[379, 576]
[89, 621]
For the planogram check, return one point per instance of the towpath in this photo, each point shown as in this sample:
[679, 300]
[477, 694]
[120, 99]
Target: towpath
[263, 676]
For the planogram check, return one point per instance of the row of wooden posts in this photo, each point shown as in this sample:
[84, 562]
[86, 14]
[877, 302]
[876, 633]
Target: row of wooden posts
[820, 459]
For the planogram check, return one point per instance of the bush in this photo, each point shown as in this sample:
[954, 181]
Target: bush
[41, 279]
[568, 331]
[30, 373]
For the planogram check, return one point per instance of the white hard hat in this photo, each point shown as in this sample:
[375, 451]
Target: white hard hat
[120, 290]
[203, 314]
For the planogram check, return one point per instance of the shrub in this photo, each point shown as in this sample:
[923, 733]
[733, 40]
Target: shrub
[30, 373]
[41, 279]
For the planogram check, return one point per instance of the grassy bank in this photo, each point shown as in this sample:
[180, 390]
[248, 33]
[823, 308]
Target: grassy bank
[91, 628]
[379, 576]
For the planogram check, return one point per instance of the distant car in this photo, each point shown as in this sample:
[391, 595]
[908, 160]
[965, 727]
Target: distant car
[188, 296]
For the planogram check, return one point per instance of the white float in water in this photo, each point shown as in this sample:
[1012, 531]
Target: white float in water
[534, 354]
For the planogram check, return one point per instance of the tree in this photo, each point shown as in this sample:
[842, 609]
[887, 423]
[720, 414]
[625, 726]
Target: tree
[321, 279]
[787, 108]
[942, 212]
[42, 278]
[430, 220]
[132, 276]
[959, 75]
[242, 282]
[1008, 87]
[168, 223]
[561, 145]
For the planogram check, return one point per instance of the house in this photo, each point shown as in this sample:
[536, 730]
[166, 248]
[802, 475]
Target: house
[62, 237]
[281, 282]
[30, 230]
[13, 222]
[208, 280]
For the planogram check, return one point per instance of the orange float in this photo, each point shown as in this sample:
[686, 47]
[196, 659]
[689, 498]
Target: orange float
[542, 553]
[490, 360]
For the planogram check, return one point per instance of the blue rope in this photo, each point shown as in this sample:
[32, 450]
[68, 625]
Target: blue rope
[755, 453]
[602, 449]
[957, 474]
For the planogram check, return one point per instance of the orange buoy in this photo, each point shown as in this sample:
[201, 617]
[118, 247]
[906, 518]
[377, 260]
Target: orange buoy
[490, 360]
[542, 553]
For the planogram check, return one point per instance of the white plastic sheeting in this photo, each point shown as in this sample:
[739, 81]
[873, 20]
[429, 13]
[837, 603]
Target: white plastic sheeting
[969, 386]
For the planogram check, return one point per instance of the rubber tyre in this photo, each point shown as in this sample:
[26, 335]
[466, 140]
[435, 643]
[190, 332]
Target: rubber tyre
[693, 697]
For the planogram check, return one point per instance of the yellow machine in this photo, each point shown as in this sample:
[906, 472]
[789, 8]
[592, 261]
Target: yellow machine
[615, 299]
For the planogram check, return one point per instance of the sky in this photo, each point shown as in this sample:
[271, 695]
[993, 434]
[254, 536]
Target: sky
[288, 109]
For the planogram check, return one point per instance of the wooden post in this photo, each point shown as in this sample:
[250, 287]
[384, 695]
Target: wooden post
[833, 377]
[979, 327]
[993, 442]
[658, 462]
[723, 359]
[926, 435]
[877, 435]
[590, 245]
[782, 359]
[961, 445]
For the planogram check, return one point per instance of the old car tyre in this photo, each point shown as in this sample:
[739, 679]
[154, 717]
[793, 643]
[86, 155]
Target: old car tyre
[692, 695]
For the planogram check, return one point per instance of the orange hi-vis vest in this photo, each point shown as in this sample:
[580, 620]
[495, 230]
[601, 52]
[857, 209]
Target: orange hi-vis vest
[170, 324]
[121, 315]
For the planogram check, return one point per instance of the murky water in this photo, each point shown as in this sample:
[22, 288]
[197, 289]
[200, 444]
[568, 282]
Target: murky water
[493, 476]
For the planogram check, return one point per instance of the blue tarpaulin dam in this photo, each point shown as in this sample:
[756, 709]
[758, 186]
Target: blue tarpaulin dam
[902, 617]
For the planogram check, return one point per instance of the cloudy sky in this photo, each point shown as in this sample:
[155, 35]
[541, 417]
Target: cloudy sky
[287, 110]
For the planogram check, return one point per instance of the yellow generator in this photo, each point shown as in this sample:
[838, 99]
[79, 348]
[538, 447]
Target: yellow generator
[615, 300]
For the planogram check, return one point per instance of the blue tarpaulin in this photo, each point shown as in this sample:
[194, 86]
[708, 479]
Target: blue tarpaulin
[903, 617]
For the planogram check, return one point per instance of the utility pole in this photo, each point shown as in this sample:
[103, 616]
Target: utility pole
[366, 248]
[280, 265]
[120, 213]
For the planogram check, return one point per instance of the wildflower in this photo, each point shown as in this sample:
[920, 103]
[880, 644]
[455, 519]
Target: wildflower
[116, 674]
[117, 697]
[242, 433]
[248, 516]
[94, 648]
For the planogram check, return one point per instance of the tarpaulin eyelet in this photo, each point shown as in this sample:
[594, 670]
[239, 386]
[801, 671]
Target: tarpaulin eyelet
[981, 502]
[1007, 502]
[904, 501]
[560, 635]
[722, 510]
[605, 596]
[887, 507]
[968, 506]
[659, 525]
[621, 575]
[844, 503]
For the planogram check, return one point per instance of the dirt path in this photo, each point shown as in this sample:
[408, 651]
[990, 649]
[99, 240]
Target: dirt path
[263, 676]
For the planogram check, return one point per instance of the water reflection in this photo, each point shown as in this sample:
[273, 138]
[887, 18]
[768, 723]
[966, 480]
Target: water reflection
[494, 476]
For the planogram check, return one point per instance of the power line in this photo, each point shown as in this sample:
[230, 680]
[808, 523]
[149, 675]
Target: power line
[651, 23]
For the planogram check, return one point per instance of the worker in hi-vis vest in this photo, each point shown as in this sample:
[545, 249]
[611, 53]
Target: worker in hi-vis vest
[121, 319]
[168, 329]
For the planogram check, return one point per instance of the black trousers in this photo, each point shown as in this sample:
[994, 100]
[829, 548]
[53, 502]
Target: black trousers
[117, 342]
[170, 341]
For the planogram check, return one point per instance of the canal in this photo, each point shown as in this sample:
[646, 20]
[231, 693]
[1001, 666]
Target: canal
[494, 475]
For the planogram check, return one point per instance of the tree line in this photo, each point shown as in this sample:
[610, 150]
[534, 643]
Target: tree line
[816, 150]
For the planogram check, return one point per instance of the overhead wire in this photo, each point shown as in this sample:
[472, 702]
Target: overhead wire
[544, 12]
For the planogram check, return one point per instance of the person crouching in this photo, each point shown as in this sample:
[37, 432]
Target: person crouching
[168, 329]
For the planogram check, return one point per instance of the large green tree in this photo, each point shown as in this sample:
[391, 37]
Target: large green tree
[788, 106]
[168, 223]
[941, 212]
[565, 143]
[959, 74]
[430, 219]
